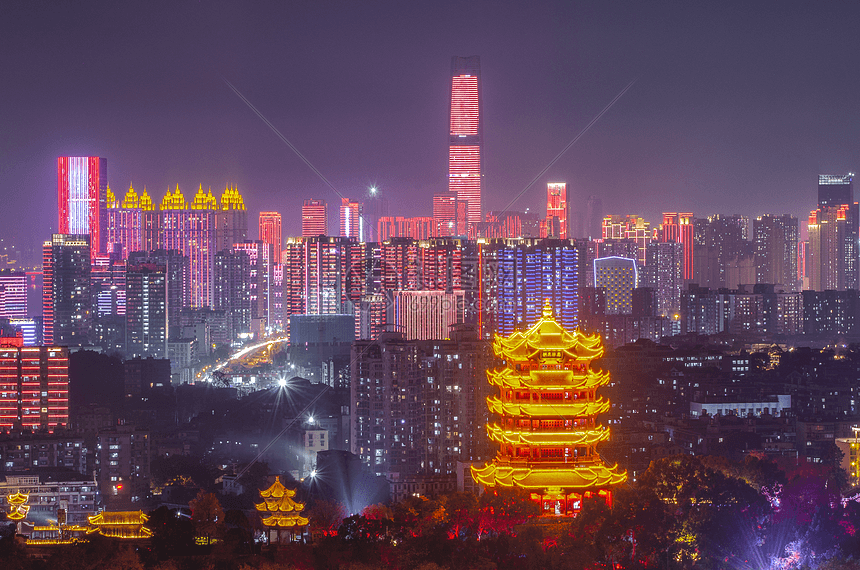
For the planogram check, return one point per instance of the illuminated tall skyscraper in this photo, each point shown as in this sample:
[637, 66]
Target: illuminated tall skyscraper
[351, 219]
[231, 220]
[270, 232]
[679, 228]
[314, 218]
[67, 304]
[82, 197]
[190, 228]
[556, 210]
[837, 191]
[775, 239]
[827, 228]
[466, 137]
[125, 221]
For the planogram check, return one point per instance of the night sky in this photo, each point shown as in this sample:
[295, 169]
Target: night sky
[737, 108]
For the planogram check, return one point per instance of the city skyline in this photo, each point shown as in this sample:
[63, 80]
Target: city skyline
[717, 121]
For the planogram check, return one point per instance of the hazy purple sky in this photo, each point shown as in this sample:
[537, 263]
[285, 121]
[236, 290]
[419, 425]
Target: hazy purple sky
[738, 105]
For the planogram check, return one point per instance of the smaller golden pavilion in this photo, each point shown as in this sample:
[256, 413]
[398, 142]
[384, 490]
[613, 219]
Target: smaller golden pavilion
[18, 507]
[547, 406]
[284, 513]
[120, 524]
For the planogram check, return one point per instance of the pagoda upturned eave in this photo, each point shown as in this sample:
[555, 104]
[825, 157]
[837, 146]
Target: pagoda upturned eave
[582, 478]
[536, 378]
[577, 409]
[566, 438]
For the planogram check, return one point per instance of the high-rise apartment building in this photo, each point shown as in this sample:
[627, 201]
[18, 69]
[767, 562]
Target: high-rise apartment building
[351, 219]
[720, 243]
[520, 275]
[82, 198]
[34, 388]
[775, 242]
[827, 227]
[556, 210]
[593, 216]
[664, 272]
[425, 315]
[147, 310]
[232, 290]
[418, 403]
[618, 277]
[67, 303]
[314, 218]
[418, 227]
[190, 229]
[836, 191]
[259, 286]
[231, 220]
[679, 228]
[13, 294]
[270, 232]
[450, 216]
[124, 227]
[176, 268]
[629, 227]
[466, 137]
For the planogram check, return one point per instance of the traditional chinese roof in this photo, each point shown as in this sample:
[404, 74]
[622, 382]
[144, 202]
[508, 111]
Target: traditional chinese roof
[548, 341]
[278, 500]
[581, 477]
[120, 524]
[575, 408]
[561, 438]
[18, 507]
[573, 379]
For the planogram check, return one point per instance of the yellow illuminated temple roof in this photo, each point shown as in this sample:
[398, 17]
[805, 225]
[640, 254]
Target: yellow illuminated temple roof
[279, 504]
[548, 342]
[120, 524]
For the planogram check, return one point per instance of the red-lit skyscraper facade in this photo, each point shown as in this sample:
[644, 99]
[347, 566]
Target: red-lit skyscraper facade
[270, 232]
[556, 210]
[314, 218]
[465, 148]
[679, 228]
[82, 198]
[351, 219]
[34, 388]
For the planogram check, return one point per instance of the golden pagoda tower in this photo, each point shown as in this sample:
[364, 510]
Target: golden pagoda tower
[547, 405]
[18, 507]
[283, 511]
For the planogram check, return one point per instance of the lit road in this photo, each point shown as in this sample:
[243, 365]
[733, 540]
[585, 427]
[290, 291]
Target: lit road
[205, 375]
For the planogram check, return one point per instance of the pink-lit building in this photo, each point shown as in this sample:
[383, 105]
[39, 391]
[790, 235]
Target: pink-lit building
[556, 210]
[82, 198]
[399, 227]
[679, 228]
[270, 232]
[351, 219]
[190, 229]
[425, 315]
[314, 218]
[34, 388]
[450, 215]
[124, 227]
[465, 146]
